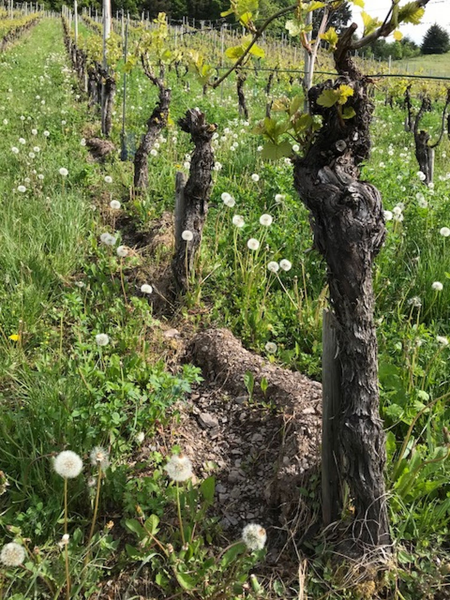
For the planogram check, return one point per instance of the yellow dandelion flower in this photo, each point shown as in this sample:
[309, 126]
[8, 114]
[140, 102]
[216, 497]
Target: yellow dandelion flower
[15, 337]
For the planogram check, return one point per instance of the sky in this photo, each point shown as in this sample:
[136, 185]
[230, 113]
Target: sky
[437, 11]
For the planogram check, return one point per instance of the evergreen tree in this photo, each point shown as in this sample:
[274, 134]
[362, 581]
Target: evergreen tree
[339, 18]
[436, 41]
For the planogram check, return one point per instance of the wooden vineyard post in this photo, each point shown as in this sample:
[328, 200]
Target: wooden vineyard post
[331, 405]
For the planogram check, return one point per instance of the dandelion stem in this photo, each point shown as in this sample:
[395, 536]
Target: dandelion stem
[122, 282]
[94, 516]
[66, 545]
[179, 515]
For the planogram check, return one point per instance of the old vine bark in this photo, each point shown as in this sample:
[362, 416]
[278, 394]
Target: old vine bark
[156, 122]
[196, 194]
[348, 226]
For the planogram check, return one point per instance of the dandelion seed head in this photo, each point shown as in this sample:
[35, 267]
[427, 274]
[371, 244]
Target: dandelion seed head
[122, 251]
[22, 189]
[99, 457]
[68, 464]
[179, 467]
[255, 177]
[238, 221]
[63, 172]
[108, 179]
[253, 244]
[115, 204]
[444, 231]
[437, 286]
[273, 266]
[187, 235]
[421, 175]
[266, 220]
[12, 554]
[102, 339]
[271, 347]
[285, 264]
[108, 239]
[254, 536]
[146, 288]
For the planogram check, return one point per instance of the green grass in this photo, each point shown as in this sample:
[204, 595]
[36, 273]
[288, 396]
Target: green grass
[431, 64]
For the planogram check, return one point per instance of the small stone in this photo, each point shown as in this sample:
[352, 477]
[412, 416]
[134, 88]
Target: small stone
[208, 420]
[241, 399]
[171, 333]
[234, 476]
[236, 493]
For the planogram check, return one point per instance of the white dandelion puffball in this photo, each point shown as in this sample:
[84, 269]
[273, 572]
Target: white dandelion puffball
[238, 221]
[82, 142]
[442, 340]
[102, 339]
[422, 203]
[421, 175]
[437, 286]
[139, 437]
[108, 179]
[15, 150]
[445, 231]
[279, 198]
[266, 220]
[5, 121]
[253, 244]
[388, 215]
[115, 204]
[63, 172]
[22, 189]
[154, 152]
[122, 251]
[397, 210]
[271, 347]
[285, 264]
[255, 177]
[187, 235]
[273, 266]
[36, 149]
[34, 131]
[99, 457]
[254, 536]
[22, 141]
[295, 147]
[68, 464]
[179, 467]
[146, 288]
[108, 239]
[46, 133]
[12, 555]
[228, 199]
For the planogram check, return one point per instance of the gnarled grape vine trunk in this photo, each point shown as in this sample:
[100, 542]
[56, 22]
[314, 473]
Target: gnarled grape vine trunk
[348, 226]
[155, 124]
[195, 194]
